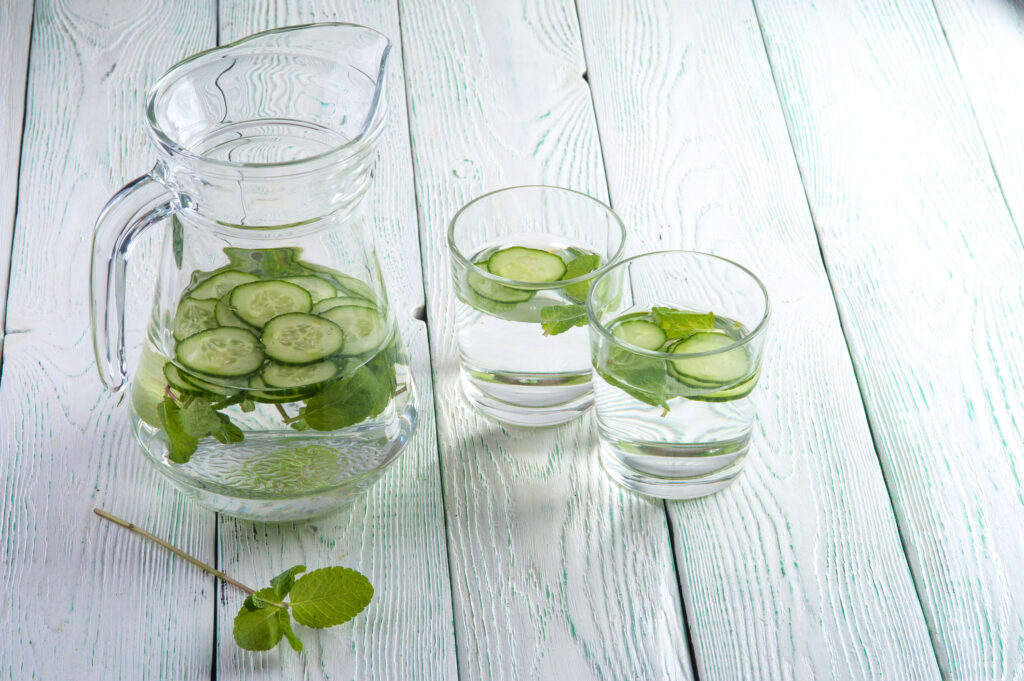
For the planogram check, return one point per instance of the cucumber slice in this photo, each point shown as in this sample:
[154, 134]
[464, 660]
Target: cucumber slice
[718, 369]
[318, 288]
[327, 303]
[260, 392]
[492, 290]
[526, 264]
[288, 376]
[225, 351]
[258, 302]
[220, 284]
[298, 338]
[175, 381]
[365, 329]
[227, 317]
[193, 316]
[729, 394]
[354, 287]
[188, 383]
[641, 333]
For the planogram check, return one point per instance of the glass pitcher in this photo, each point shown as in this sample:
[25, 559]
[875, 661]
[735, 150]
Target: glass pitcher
[273, 383]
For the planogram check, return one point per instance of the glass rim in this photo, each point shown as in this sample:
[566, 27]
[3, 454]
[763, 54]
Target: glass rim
[758, 330]
[371, 128]
[533, 285]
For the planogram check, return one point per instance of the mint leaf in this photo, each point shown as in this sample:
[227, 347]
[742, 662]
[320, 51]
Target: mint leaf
[177, 240]
[577, 267]
[284, 620]
[556, 319]
[264, 598]
[283, 583]
[258, 628]
[181, 444]
[680, 323]
[643, 378]
[186, 424]
[330, 596]
[344, 403]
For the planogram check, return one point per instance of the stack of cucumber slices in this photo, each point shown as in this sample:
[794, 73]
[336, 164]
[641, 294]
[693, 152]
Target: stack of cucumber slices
[277, 338]
[528, 265]
[711, 369]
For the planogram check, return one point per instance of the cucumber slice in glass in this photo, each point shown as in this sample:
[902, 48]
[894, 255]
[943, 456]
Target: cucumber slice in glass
[220, 284]
[227, 317]
[259, 391]
[354, 287]
[258, 302]
[641, 333]
[365, 329]
[718, 369]
[175, 381]
[729, 394]
[327, 303]
[318, 288]
[276, 375]
[492, 290]
[526, 264]
[224, 351]
[299, 338]
[193, 316]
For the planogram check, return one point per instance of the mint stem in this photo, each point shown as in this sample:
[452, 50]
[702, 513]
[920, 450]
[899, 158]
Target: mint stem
[173, 549]
[284, 414]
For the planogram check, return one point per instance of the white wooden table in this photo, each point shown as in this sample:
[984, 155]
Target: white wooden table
[866, 158]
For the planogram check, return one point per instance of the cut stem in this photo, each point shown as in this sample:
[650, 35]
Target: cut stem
[173, 549]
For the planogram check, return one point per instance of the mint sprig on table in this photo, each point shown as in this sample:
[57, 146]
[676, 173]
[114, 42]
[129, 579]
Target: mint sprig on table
[319, 599]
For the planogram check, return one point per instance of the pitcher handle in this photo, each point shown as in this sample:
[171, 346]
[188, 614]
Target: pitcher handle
[140, 204]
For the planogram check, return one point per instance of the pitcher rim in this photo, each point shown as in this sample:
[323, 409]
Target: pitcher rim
[370, 128]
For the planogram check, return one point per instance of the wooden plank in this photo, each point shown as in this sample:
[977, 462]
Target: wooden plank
[82, 599]
[987, 41]
[15, 31]
[555, 570]
[395, 535]
[927, 268]
[784, 577]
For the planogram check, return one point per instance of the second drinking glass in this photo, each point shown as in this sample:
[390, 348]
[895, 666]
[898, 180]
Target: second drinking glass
[523, 260]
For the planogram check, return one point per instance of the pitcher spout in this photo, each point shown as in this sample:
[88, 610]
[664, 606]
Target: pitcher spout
[278, 127]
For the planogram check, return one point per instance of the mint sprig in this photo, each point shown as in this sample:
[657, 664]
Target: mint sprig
[577, 267]
[319, 599]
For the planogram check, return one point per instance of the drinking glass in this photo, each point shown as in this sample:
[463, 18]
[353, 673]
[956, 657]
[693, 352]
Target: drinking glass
[676, 341]
[523, 260]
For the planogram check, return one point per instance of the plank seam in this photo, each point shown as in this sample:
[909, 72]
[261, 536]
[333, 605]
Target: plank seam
[932, 632]
[17, 186]
[430, 354]
[691, 646]
[981, 131]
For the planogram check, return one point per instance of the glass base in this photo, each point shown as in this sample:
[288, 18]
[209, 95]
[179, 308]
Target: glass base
[526, 412]
[695, 471]
[254, 491]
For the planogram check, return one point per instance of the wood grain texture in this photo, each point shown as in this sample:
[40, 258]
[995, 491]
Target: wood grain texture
[396, 534]
[82, 599]
[15, 31]
[927, 267]
[556, 572]
[987, 41]
[796, 571]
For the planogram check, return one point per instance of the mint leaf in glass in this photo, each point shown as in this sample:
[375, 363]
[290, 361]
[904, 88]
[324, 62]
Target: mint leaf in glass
[679, 324]
[330, 596]
[577, 267]
[556, 319]
[344, 403]
[190, 422]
